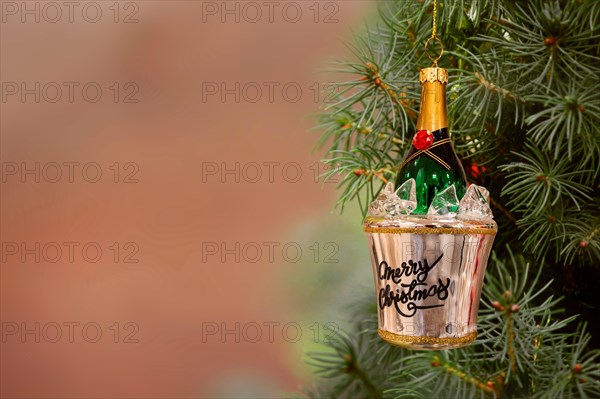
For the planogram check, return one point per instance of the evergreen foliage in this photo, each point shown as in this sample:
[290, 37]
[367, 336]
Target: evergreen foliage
[524, 114]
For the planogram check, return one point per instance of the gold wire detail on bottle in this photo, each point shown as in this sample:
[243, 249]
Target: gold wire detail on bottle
[411, 339]
[433, 75]
[426, 151]
[429, 230]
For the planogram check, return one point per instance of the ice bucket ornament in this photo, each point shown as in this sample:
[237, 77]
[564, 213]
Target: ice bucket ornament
[428, 248]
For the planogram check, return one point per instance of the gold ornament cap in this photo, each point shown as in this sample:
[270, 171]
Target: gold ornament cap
[434, 74]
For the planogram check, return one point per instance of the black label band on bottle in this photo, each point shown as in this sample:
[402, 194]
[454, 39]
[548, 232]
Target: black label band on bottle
[440, 134]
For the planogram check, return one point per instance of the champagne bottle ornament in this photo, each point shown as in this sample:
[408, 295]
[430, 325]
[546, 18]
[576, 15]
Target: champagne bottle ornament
[430, 240]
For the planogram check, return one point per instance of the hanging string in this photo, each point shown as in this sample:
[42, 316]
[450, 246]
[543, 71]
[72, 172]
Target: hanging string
[434, 28]
[434, 37]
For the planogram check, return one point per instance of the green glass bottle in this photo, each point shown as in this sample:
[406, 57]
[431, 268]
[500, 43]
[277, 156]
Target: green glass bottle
[431, 160]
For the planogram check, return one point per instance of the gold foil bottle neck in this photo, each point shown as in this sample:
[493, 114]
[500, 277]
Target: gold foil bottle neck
[434, 74]
[433, 114]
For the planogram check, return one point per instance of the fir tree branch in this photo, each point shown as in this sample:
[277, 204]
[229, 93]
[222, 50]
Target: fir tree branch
[373, 74]
[502, 209]
[379, 173]
[487, 387]
[508, 308]
[492, 87]
[354, 368]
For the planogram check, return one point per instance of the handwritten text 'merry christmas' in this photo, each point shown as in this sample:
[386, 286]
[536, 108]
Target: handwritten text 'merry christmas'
[412, 292]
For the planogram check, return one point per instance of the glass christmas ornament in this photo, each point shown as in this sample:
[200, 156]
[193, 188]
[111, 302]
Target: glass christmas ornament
[430, 240]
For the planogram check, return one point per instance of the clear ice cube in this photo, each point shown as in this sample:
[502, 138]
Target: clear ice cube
[378, 206]
[407, 193]
[389, 204]
[444, 203]
[474, 205]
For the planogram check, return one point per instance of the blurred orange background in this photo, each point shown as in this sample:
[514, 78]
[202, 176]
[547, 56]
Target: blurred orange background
[163, 229]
